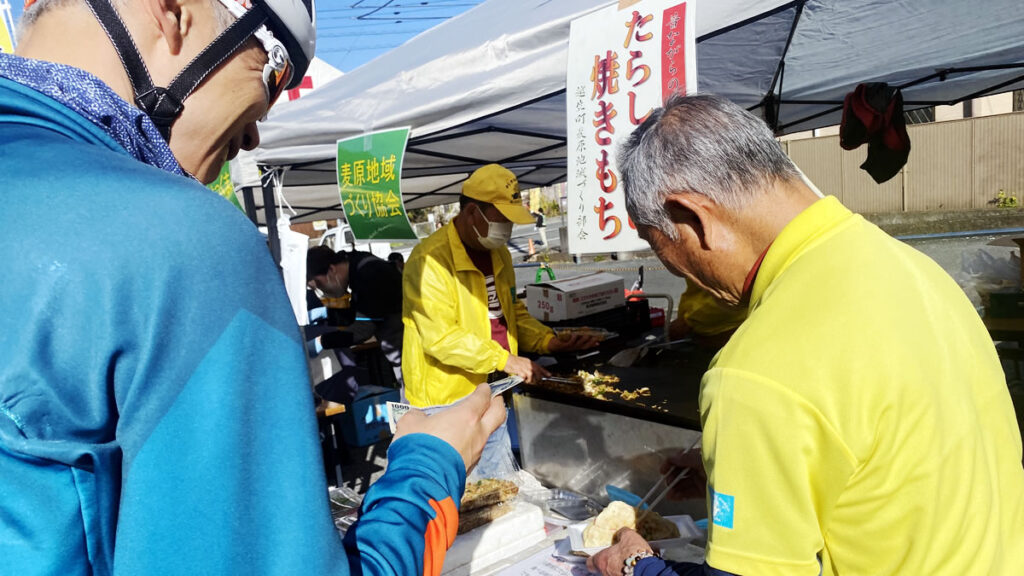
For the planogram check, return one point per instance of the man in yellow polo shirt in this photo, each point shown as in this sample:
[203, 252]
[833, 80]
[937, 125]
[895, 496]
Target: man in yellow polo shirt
[463, 321]
[858, 422]
[704, 318]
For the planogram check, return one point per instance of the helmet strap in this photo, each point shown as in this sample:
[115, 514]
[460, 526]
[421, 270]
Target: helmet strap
[164, 105]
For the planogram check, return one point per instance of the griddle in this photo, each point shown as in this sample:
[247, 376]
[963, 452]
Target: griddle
[673, 377]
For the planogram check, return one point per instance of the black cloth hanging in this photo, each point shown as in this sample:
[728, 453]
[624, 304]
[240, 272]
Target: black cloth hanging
[873, 113]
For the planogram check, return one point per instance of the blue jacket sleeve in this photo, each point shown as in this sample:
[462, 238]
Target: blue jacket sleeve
[658, 567]
[409, 517]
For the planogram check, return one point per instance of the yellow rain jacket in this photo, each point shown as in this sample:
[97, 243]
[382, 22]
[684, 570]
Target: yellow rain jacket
[447, 349]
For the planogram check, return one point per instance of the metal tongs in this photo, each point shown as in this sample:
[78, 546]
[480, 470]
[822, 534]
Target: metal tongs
[668, 487]
[559, 380]
[628, 356]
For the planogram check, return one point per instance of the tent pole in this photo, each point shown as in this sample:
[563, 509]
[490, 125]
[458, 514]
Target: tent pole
[780, 70]
[839, 106]
[250, 204]
[270, 211]
[430, 137]
[444, 156]
[991, 88]
[414, 197]
[562, 178]
[751, 20]
[312, 211]
[532, 153]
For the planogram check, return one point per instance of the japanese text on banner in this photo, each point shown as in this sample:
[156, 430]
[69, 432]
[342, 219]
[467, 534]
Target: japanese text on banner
[369, 169]
[622, 64]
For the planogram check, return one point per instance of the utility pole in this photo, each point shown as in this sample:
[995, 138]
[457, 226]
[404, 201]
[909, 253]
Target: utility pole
[6, 28]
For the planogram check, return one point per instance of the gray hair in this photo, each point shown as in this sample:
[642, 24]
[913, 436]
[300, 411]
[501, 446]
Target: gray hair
[703, 144]
[32, 14]
[40, 7]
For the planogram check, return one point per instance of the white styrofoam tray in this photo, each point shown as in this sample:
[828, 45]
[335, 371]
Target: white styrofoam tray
[688, 531]
[502, 538]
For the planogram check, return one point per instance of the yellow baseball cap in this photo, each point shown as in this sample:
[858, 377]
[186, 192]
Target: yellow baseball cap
[498, 186]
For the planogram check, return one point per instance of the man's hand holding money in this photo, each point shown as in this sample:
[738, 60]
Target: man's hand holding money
[464, 426]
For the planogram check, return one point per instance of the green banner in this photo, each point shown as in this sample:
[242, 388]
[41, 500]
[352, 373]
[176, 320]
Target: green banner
[369, 174]
[223, 186]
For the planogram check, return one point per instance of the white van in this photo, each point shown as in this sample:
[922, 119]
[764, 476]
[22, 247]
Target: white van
[341, 238]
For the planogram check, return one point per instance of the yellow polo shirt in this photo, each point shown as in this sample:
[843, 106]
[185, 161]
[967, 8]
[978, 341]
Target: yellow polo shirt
[859, 421]
[705, 315]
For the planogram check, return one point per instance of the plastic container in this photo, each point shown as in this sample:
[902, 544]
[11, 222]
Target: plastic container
[345, 504]
[562, 507]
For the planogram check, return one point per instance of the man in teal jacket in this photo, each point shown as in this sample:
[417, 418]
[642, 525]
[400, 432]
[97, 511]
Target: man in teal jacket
[151, 421]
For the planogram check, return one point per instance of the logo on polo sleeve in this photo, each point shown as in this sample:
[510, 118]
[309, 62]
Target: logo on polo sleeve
[722, 509]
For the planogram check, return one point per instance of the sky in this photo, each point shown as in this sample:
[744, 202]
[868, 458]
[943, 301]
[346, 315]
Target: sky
[353, 32]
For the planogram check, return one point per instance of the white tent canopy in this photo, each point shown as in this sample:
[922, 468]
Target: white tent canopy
[489, 85]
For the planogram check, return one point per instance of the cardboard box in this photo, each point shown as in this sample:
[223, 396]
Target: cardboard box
[574, 297]
[365, 421]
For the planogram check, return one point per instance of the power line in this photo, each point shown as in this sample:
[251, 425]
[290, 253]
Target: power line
[369, 34]
[360, 48]
[433, 4]
[362, 12]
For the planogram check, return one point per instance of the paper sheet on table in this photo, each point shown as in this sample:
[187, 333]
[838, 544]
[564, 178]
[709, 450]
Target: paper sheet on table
[555, 560]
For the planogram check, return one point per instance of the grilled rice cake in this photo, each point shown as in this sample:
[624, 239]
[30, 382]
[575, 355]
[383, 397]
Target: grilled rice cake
[487, 492]
[477, 517]
[601, 530]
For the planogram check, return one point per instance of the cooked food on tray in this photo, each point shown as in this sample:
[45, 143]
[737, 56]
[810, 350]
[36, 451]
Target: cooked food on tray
[630, 396]
[485, 500]
[596, 385]
[654, 527]
[600, 531]
[486, 492]
[599, 333]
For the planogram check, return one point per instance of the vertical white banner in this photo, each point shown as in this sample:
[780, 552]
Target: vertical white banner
[293, 267]
[623, 63]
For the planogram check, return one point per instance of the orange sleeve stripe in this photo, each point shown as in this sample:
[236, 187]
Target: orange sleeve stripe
[439, 536]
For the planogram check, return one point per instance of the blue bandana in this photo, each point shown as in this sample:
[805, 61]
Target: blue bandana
[95, 101]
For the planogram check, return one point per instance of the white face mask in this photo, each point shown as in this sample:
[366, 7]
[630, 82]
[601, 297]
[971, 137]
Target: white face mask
[498, 233]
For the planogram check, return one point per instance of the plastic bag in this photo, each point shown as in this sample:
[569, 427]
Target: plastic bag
[497, 460]
[983, 272]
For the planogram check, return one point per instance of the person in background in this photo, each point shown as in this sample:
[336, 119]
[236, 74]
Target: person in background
[704, 318]
[463, 320]
[155, 409]
[397, 260]
[376, 297]
[335, 329]
[858, 421]
[541, 227]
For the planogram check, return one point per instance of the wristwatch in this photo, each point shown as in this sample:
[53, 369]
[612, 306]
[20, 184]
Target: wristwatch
[630, 562]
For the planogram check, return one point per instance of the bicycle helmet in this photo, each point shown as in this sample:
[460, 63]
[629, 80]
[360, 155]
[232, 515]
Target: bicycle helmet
[294, 23]
[285, 28]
